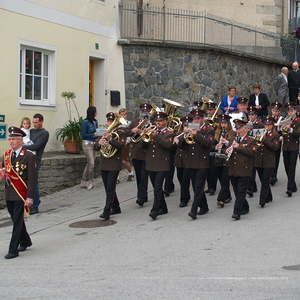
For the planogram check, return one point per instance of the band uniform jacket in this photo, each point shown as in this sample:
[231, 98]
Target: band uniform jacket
[158, 152]
[291, 140]
[241, 160]
[113, 163]
[137, 150]
[197, 155]
[25, 166]
[179, 157]
[265, 154]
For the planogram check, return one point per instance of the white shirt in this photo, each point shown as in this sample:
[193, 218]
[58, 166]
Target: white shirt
[285, 77]
[17, 151]
[228, 101]
[256, 100]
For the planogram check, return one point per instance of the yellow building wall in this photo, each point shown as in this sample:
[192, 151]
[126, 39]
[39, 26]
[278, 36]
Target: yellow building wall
[72, 69]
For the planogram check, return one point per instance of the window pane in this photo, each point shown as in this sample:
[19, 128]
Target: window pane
[37, 88]
[29, 61]
[21, 61]
[37, 63]
[45, 65]
[20, 86]
[45, 88]
[28, 87]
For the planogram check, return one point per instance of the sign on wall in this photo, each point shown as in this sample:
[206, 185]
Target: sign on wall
[2, 118]
[3, 132]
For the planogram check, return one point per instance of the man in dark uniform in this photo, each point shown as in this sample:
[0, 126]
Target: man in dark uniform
[196, 159]
[110, 168]
[182, 172]
[264, 160]
[276, 115]
[138, 155]
[158, 162]
[290, 148]
[241, 155]
[20, 174]
[294, 83]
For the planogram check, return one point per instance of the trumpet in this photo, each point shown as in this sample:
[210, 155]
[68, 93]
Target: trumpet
[142, 125]
[189, 138]
[283, 123]
[146, 134]
[211, 121]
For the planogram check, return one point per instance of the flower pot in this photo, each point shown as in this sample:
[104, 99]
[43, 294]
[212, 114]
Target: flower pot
[72, 146]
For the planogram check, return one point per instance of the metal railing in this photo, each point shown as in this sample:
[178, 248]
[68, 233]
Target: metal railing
[198, 28]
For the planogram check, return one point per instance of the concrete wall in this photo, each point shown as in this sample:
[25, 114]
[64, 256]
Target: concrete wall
[272, 15]
[188, 74]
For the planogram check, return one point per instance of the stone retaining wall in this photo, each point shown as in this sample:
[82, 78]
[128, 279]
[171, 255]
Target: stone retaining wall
[58, 172]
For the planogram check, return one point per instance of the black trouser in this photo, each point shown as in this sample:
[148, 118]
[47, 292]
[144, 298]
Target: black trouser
[222, 175]
[110, 181]
[277, 160]
[290, 162]
[212, 177]
[252, 187]
[293, 93]
[157, 180]
[198, 178]
[141, 180]
[265, 190]
[184, 180]
[169, 185]
[19, 233]
[240, 185]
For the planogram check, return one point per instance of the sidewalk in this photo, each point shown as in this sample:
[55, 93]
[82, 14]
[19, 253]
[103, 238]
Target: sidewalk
[171, 258]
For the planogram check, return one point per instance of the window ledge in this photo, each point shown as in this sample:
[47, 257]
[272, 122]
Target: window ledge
[30, 105]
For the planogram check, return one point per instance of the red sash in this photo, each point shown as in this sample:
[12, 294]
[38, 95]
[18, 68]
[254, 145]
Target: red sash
[15, 179]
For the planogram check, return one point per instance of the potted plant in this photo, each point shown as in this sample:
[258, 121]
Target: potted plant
[69, 135]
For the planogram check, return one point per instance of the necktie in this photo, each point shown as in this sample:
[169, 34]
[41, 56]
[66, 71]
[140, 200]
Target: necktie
[14, 156]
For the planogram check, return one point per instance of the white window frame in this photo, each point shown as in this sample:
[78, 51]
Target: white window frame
[51, 52]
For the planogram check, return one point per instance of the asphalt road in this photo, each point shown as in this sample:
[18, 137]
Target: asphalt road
[174, 257]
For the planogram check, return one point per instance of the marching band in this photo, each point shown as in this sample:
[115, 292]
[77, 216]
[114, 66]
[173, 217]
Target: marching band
[204, 146]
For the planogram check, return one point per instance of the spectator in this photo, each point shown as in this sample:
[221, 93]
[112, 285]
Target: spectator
[88, 135]
[229, 102]
[39, 137]
[25, 127]
[260, 101]
[294, 82]
[281, 86]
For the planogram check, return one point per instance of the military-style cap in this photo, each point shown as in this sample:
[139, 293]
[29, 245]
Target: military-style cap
[187, 119]
[252, 110]
[276, 105]
[161, 116]
[110, 116]
[291, 105]
[223, 118]
[239, 123]
[15, 131]
[269, 120]
[242, 100]
[197, 113]
[145, 107]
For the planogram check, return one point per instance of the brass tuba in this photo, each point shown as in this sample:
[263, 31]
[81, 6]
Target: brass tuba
[109, 150]
[170, 107]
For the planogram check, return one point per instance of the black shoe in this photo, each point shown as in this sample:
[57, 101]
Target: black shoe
[273, 181]
[228, 200]
[193, 215]
[267, 201]
[245, 212]
[11, 255]
[115, 211]
[23, 248]
[289, 193]
[250, 194]
[236, 217]
[212, 192]
[140, 203]
[207, 191]
[163, 211]
[203, 211]
[220, 204]
[262, 205]
[33, 210]
[153, 215]
[182, 204]
[104, 216]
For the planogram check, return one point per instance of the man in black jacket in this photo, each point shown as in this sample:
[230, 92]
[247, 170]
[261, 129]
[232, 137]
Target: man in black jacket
[294, 82]
[260, 101]
[39, 136]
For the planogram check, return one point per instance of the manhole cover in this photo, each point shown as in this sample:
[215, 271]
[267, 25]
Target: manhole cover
[292, 268]
[92, 223]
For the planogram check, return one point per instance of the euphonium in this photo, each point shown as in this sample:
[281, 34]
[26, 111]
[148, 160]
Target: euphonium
[109, 150]
[174, 123]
